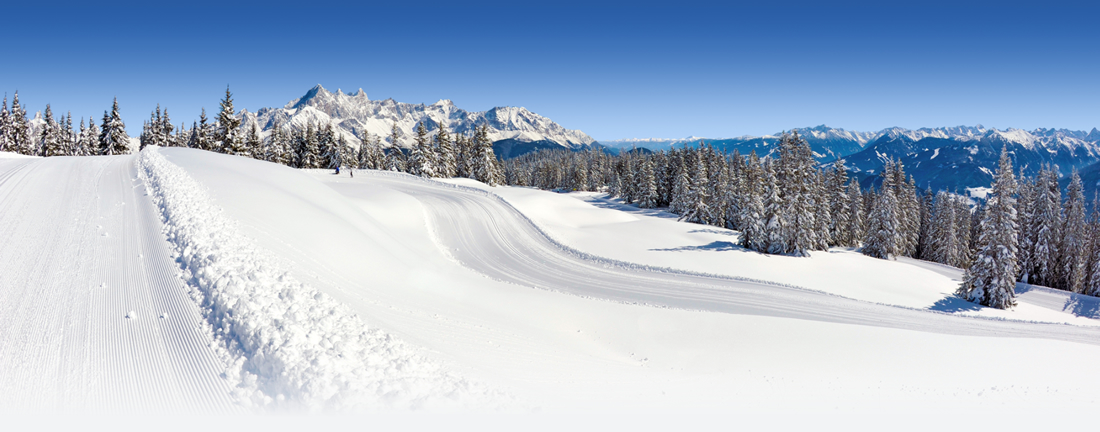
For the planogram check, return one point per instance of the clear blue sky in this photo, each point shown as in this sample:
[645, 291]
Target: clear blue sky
[614, 70]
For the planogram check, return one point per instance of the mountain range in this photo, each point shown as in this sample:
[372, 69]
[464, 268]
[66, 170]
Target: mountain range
[514, 130]
[947, 158]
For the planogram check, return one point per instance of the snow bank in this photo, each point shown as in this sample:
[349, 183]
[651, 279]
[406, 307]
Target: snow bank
[285, 344]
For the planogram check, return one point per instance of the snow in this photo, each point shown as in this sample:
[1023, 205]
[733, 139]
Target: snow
[934, 154]
[479, 307]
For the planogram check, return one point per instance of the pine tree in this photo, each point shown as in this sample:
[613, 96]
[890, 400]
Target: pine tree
[228, 138]
[991, 279]
[486, 167]
[1074, 244]
[775, 221]
[855, 214]
[448, 166]
[253, 147]
[882, 237]
[21, 141]
[794, 175]
[1047, 228]
[50, 136]
[1026, 212]
[395, 159]
[697, 211]
[648, 192]
[836, 188]
[421, 160]
[91, 142]
[6, 140]
[944, 238]
[1092, 282]
[112, 137]
[751, 218]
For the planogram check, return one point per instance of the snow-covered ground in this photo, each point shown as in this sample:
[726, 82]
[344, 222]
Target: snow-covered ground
[419, 295]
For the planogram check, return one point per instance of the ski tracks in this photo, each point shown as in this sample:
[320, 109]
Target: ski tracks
[76, 258]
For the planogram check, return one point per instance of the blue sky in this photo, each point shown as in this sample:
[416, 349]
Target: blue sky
[612, 69]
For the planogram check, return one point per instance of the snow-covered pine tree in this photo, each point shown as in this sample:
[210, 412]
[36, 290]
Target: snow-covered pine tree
[775, 242]
[1074, 244]
[855, 214]
[991, 278]
[751, 217]
[964, 216]
[395, 158]
[1047, 228]
[228, 138]
[944, 239]
[165, 139]
[68, 137]
[823, 218]
[836, 188]
[448, 166]
[882, 231]
[421, 162]
[91, 142]
[50, 139]
[647, 197]
[681, 195]
[697, 210]
[271, 145]
[112, 137]
[1026, 213]
[486, 167]
[924, 244]
[1092, 282]
[794, 175]
[21, 141]
[5, 127]
[252, 145]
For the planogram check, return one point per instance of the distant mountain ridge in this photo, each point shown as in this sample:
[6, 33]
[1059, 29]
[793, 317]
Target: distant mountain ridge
[948, 158]
[355, 115]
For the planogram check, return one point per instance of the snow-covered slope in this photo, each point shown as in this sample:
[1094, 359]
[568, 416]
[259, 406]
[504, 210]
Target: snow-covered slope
[490, 302]
[356, 115]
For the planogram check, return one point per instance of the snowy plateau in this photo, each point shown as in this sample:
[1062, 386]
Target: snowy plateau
[181, 281]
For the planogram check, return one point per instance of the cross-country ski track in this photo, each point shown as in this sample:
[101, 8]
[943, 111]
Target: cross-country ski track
[444, 296]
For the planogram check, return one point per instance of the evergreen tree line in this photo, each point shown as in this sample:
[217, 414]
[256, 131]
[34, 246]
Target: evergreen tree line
[788, 205]
[57, 137]
[437, 153]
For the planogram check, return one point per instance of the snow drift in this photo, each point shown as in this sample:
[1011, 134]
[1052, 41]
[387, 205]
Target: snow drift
[285, 343]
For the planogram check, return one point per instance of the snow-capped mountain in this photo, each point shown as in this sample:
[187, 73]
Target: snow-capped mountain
[955, 158]
[355, 115]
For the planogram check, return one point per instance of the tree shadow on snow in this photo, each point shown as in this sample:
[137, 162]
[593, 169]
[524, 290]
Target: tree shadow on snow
[1077, 304]
[714, 231]
[717, 246]
[615, 204]
[954, 304]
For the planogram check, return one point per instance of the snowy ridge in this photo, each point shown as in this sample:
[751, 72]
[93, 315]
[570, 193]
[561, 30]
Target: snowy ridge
[285, 344]
[354, 115]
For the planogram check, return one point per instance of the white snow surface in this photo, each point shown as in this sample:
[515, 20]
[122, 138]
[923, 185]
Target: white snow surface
[284, 342]
[555, 302]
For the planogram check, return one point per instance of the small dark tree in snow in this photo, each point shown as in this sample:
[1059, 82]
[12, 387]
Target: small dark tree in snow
[112, 136]
[991, 278]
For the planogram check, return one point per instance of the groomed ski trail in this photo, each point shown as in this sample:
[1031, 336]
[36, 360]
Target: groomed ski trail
[93, 315]
[484, 233]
